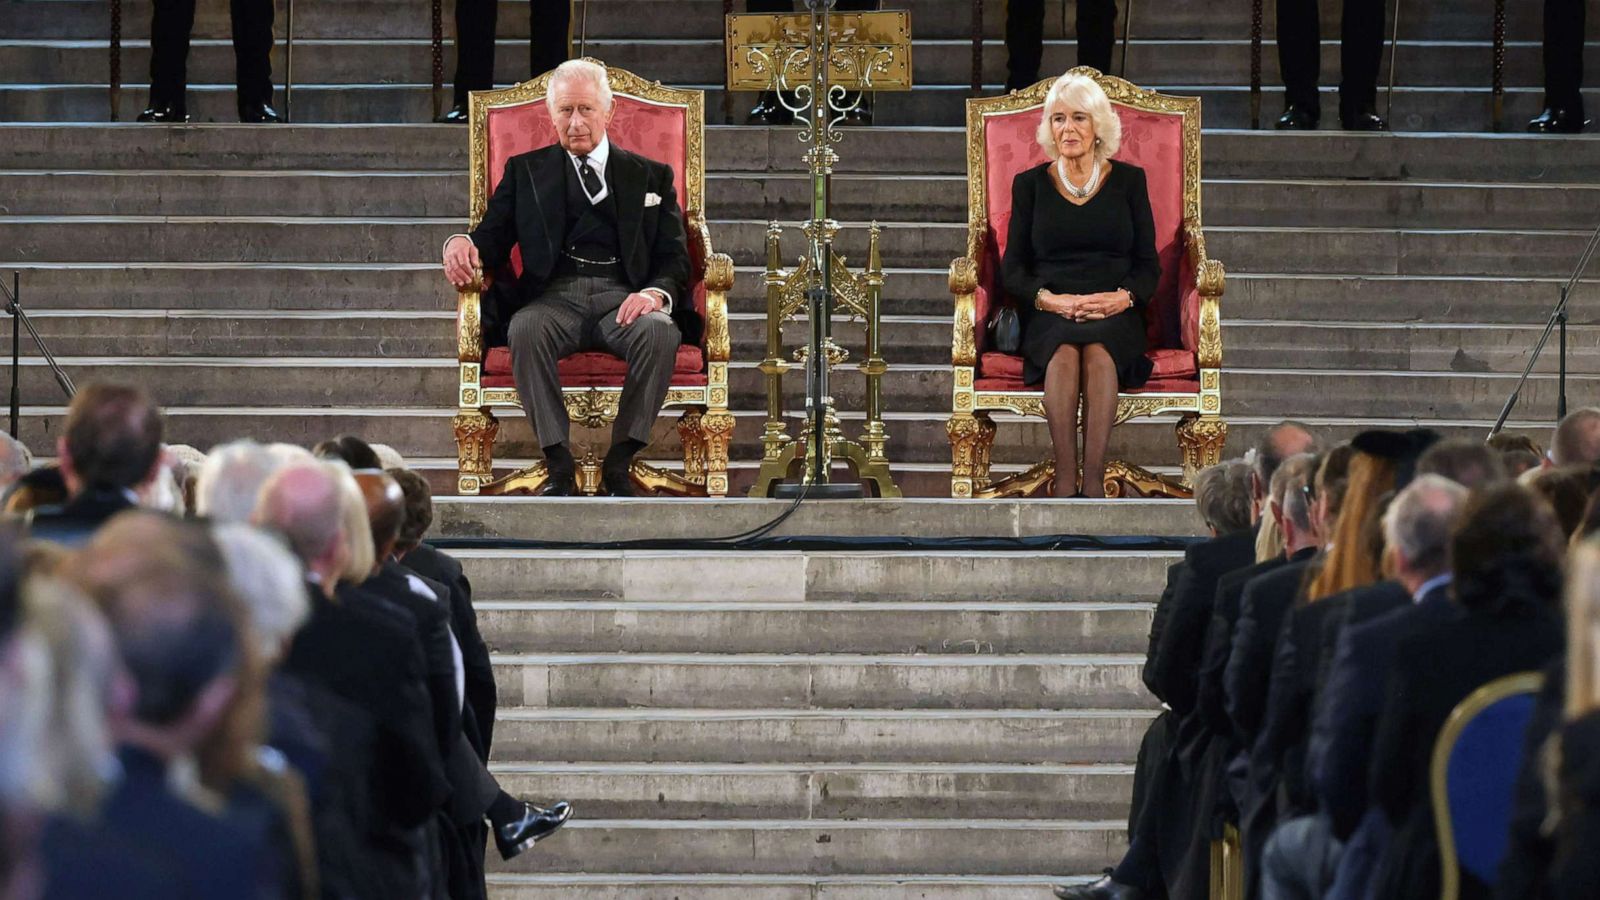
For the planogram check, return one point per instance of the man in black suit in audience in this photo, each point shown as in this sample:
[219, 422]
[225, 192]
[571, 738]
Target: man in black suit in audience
[171, 25]
[549, 45]
[110, 449]
[1300, 58]
[1563, 69]
[768, 110]
[1417, 528]
[1097, 34]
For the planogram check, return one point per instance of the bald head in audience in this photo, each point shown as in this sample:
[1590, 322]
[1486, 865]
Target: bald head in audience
[1577, 439]
[1281, 441]
[302, 502]
[386, 510]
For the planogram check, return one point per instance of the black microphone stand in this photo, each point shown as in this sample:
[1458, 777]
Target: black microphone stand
[20, 320]
[1558, 319]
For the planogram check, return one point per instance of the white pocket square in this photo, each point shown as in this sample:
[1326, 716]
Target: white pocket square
[652, 199]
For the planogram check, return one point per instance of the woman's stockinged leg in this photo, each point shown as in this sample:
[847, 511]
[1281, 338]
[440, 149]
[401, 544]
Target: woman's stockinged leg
[1099, 411]
[1061, 410]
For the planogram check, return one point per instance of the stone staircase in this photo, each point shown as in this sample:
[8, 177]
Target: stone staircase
[820, 724]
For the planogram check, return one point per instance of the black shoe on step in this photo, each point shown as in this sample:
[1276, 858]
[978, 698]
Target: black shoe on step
[457, 115]
[1298, 118]
[560, 484]
[1558, 120]
[535, 825]
[258, 112]
[165, 113]
[1104, 889]
[1362, 118]
[770, 111]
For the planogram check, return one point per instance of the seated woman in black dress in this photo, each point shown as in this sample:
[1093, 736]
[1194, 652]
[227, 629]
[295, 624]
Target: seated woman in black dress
[1080, 264]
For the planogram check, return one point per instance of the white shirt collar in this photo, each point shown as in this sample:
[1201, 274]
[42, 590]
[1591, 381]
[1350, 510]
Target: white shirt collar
[1431, 585]
[598, 156]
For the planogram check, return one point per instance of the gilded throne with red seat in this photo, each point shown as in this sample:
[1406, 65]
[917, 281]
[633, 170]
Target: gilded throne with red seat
[664, 124]
[1161, 134]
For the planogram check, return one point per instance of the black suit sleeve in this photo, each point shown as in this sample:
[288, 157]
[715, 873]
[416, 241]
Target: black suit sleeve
[1403, 744]
[1145, 274]
[1182, 640]
[1158, 623]
[481, 695]
[409, 774]
[496, 233]
[1249, 666]
[1017, 269]
[669, 256]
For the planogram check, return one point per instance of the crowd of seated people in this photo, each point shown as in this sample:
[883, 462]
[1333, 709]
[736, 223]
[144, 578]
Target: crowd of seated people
[238, 675]
[1310, 651]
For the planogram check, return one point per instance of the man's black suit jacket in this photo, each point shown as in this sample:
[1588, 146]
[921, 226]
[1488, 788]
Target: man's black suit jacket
[431, 620]
[1263, 606]
[73, 523]
[529, 210]
[1183, 634]
[482, 699]
[1219, 643]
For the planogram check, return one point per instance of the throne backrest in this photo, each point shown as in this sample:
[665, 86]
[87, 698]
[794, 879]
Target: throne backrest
[1160, 134]
[661, 123]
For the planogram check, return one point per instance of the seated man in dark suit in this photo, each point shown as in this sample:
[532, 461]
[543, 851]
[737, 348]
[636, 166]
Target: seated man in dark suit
[604, 261]
[110, 449]
[1417, 530]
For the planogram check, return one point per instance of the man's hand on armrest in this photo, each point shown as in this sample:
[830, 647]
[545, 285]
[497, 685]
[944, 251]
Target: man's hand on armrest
[461, 261]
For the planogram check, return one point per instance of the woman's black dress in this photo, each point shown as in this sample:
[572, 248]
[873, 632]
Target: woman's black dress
[1109, 242]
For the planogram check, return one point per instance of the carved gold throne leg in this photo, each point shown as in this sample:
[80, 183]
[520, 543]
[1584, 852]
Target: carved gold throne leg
[971, 438]
[475, 430]
[1200, 441]
[691, 434]
[717, 433]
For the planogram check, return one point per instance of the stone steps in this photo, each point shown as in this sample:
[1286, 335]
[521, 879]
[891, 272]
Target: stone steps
[785, 197]
[699, 60]
[1453, 108]
[803, 791]
[757, 887]
[372, 19]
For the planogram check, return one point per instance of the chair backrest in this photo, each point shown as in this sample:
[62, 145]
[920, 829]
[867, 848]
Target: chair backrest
[1473, 776]
[1160, 134]
[662, 123]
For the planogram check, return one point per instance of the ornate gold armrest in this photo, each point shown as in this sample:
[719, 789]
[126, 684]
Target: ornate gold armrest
[1210, 279]
[719, 281]
[469, 321]
[964, 286]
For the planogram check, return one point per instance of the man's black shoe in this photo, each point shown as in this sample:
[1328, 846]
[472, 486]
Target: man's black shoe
[560, 484]
[1298, 118]
[535, 825]
[618, 484]
[258, 112]
[1362, 120]
[1558, 120]
[457, 115]
[1104, 889]
[769, 111]
[167, 113]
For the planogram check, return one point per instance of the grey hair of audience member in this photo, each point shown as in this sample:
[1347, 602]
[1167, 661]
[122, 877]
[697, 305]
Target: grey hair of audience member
[1471, 464]
[269, 579]
[15, 459]
[1420, 521]
[231, 478]
[1222, 494]
[388, 457]
[1289, 485]
[1577, 438]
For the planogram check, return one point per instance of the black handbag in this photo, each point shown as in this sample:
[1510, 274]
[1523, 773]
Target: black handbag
[1005, 330]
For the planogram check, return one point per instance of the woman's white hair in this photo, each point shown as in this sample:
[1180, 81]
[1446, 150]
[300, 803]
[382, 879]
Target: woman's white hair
[270, 581]
[1081, 92]
[580, 70]
[231, 478]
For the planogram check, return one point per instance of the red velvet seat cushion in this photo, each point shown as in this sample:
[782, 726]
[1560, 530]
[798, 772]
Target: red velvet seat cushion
[596, 369]
[1169, 364]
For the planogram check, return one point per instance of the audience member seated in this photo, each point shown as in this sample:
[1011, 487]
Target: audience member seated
[353, 451]
[110, 448]
[228, 484]
[1566, 489]
[1471, 464]
[183, 819]
[1577, 439]
[39, 489]
[1506, 556]
[1554, 857]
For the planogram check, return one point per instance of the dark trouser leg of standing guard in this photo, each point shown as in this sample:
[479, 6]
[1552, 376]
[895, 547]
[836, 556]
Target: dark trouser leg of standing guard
[1024, 42]
[252, 49]
[1563, 54]
[1097, 33]
[475, 24]
[1300, 52]
[170, 26]
[650, 346]
[1360, 52]
[550, 34]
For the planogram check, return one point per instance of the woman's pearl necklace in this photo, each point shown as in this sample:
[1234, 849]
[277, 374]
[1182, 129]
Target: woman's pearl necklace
[1088, 186]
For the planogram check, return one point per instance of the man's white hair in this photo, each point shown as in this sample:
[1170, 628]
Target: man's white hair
[15, 459]
[388, 457]
[270, 581]
[580, 70]
[231, 478]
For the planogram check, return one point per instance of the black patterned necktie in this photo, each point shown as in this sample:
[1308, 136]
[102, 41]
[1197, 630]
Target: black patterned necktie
[591, 181]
